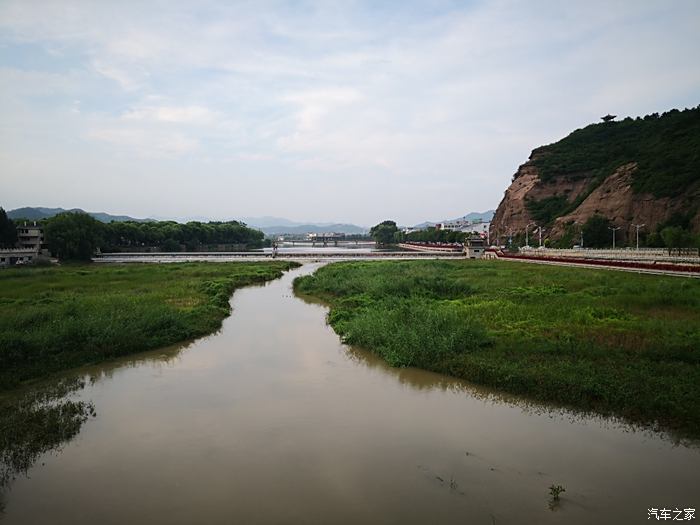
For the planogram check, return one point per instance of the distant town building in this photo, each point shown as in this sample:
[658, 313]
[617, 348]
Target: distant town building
[325, 238]
[465, 226]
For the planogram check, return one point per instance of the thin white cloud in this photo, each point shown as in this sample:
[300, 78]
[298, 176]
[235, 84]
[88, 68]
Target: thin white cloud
[427, 110]
[143, 142]
[198, 115]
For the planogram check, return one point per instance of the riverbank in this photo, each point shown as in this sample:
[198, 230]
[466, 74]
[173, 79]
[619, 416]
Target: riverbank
[57, 318]
[614, 343]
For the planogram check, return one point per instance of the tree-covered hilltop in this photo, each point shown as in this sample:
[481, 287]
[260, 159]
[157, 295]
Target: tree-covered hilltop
[641, 175]
[665, 147]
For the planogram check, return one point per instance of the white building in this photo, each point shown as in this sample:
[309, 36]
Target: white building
[465, 226]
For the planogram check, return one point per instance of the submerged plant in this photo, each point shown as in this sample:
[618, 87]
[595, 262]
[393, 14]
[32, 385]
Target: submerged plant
[554, 492]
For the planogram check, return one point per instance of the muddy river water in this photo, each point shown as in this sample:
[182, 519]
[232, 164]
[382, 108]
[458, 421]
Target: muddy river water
[273, 421]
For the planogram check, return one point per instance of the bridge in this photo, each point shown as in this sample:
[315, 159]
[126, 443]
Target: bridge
[325, 241]
[266, 256]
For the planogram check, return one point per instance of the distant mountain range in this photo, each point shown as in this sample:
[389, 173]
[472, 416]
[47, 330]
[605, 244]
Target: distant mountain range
[280, 226]
[485, 216]
[268, 225]
[38, 213]
[311, 228]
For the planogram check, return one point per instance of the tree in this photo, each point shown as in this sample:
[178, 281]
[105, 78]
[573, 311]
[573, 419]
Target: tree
[676, 237]
[170, 245]
[8, 231]
[596, 233]
[73, 236]
[383, 233]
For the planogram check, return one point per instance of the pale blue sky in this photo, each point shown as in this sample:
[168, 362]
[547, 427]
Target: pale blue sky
[326, 111]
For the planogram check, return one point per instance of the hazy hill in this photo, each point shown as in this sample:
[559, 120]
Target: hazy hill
[635, 171]
[311, 228]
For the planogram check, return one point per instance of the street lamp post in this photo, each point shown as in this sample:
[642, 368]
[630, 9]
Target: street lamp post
[527, 237]
[539, 228]
[637, 227]
[580, 231]
[614, 229]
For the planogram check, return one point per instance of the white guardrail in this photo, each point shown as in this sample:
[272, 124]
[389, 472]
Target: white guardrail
[687, 256]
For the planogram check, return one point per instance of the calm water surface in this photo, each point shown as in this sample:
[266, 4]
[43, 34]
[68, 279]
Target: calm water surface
[272, 420]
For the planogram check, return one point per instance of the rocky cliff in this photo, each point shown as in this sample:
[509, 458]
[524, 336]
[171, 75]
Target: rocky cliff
[642, 171]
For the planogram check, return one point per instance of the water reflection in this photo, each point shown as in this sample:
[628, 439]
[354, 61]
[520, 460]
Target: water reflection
[419, 379]
[36, 421]
[44, 417]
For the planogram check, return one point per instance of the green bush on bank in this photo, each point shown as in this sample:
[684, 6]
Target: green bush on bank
[57, 318]
[613, 342]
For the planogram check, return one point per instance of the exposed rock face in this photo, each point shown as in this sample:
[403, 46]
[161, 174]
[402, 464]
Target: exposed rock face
[512, 213]
[614, 199]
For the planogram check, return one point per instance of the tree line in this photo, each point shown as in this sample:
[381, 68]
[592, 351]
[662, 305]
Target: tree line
[674, 234]
[75, 235]
[386, 233]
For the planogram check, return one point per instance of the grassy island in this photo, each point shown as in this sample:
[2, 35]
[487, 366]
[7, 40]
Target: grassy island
[57, 318]
[612, 342]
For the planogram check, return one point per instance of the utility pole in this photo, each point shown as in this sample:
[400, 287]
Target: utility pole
[638, 226]
[614, 229]
[540, 230]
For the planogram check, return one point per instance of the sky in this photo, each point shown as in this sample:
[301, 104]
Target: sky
[338, 111]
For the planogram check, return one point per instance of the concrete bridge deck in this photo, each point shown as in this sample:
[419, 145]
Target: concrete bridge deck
[265, 256]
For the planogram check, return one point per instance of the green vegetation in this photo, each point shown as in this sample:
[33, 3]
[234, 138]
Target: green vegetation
[432, 235]
[73, 236]
[76, 235]
[8, 231]
[596, 232]
[617, 343]
[57, 318]
[546, 210]
[666, 148]
[384, 233]
[173, 236]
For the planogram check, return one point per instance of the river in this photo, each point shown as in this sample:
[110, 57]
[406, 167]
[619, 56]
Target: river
[272, 420]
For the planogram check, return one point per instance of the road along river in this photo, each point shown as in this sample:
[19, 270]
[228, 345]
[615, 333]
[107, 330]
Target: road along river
[273, 421]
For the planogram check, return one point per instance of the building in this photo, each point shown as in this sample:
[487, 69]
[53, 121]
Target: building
[474, 247]
[30, 246]
[461, 225]
[30, 236]
[19, 256]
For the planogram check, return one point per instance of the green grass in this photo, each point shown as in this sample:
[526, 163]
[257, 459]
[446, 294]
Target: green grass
[57, 318]
[612, 342]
